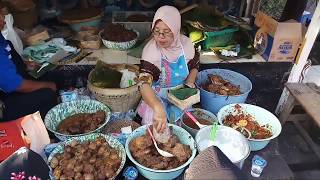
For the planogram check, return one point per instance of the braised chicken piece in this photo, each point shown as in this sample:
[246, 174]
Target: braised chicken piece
[143, 151]
[221, 86]
[81, 123]
[88, 160]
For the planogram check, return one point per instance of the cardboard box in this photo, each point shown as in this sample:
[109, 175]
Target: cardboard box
[277, 41]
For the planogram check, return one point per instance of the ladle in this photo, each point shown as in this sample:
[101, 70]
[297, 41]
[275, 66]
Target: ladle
[161, 152]
[195, 120]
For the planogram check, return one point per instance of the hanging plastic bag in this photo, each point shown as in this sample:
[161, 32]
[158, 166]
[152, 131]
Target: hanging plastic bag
[127, 78]
[10, 34]
[146, 113]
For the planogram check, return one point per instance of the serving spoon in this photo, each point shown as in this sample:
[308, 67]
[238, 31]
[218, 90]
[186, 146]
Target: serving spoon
[195, 120]
[160, 151]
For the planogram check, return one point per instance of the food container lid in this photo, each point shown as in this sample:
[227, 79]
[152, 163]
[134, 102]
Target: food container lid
[130, 173]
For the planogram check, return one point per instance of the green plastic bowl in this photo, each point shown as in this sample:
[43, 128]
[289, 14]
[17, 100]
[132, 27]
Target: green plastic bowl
[64, 110]
[148, 173]
[218, 38]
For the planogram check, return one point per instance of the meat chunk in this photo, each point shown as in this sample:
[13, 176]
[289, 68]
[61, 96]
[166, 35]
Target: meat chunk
[182, 152]
[143, 151]
[140, 143]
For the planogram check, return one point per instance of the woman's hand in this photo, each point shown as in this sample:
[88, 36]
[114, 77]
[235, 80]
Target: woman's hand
[191, 79]
[51, 86]
[159, 119]
[190, 84]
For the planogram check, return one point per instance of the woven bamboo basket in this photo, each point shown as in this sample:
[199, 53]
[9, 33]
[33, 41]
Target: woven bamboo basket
[118, 99]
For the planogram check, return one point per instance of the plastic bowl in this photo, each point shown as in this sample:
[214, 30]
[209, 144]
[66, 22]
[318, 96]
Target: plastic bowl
[231, 142]
[198, 113]
[148, 173]
[212, 101]
[113, 142]
[122, 46]
[262, 116]
[66, 109]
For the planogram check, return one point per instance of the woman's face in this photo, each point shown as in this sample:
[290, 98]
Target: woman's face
[162, 34]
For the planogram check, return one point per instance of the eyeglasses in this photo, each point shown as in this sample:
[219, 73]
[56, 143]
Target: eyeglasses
[165, 34]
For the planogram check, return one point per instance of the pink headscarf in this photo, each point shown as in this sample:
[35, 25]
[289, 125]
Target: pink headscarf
[171, 17]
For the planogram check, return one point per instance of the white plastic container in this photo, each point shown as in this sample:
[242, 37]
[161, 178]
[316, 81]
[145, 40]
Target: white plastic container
[231, 142]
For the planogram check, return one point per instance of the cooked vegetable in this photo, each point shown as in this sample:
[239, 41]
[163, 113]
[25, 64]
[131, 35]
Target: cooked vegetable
[247, 125]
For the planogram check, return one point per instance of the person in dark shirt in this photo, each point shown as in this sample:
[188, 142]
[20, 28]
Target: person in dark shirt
[19, 93]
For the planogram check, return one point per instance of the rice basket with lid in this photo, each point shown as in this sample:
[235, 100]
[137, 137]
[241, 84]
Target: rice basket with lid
[63, 110]
[113, 142]
[262, 116]
[184, 137]
[118, 99]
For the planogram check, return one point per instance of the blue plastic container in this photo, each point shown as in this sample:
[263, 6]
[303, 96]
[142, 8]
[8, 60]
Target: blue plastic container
[214, 102]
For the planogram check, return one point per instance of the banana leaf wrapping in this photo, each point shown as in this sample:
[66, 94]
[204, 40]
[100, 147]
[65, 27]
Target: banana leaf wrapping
[183, 93]
[104, 76]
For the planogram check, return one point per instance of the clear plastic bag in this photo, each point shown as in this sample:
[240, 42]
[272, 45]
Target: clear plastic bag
[146, 113]
[127, 78]
[162, 137]
[10, 34]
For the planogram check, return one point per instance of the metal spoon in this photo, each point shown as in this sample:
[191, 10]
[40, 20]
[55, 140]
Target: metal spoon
[161, 152]
[195, 120]
[43, 66]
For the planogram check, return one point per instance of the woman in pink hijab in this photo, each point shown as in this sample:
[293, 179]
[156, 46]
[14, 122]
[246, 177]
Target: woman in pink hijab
[168, 60]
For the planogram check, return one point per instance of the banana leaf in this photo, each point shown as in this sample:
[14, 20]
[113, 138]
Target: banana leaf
[105, 77]
[183, 93]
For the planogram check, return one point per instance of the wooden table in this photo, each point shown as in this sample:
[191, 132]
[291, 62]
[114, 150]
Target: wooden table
[308, 96]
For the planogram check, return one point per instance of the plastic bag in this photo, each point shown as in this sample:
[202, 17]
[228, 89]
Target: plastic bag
[127, 78]
[146, 114]
[10, 34]
[27, 131]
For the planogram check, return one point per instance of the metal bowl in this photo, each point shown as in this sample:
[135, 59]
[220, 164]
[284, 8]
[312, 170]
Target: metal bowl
[198, 113]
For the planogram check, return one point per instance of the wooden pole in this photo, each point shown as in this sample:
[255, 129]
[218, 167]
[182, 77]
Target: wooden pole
[302, 57]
